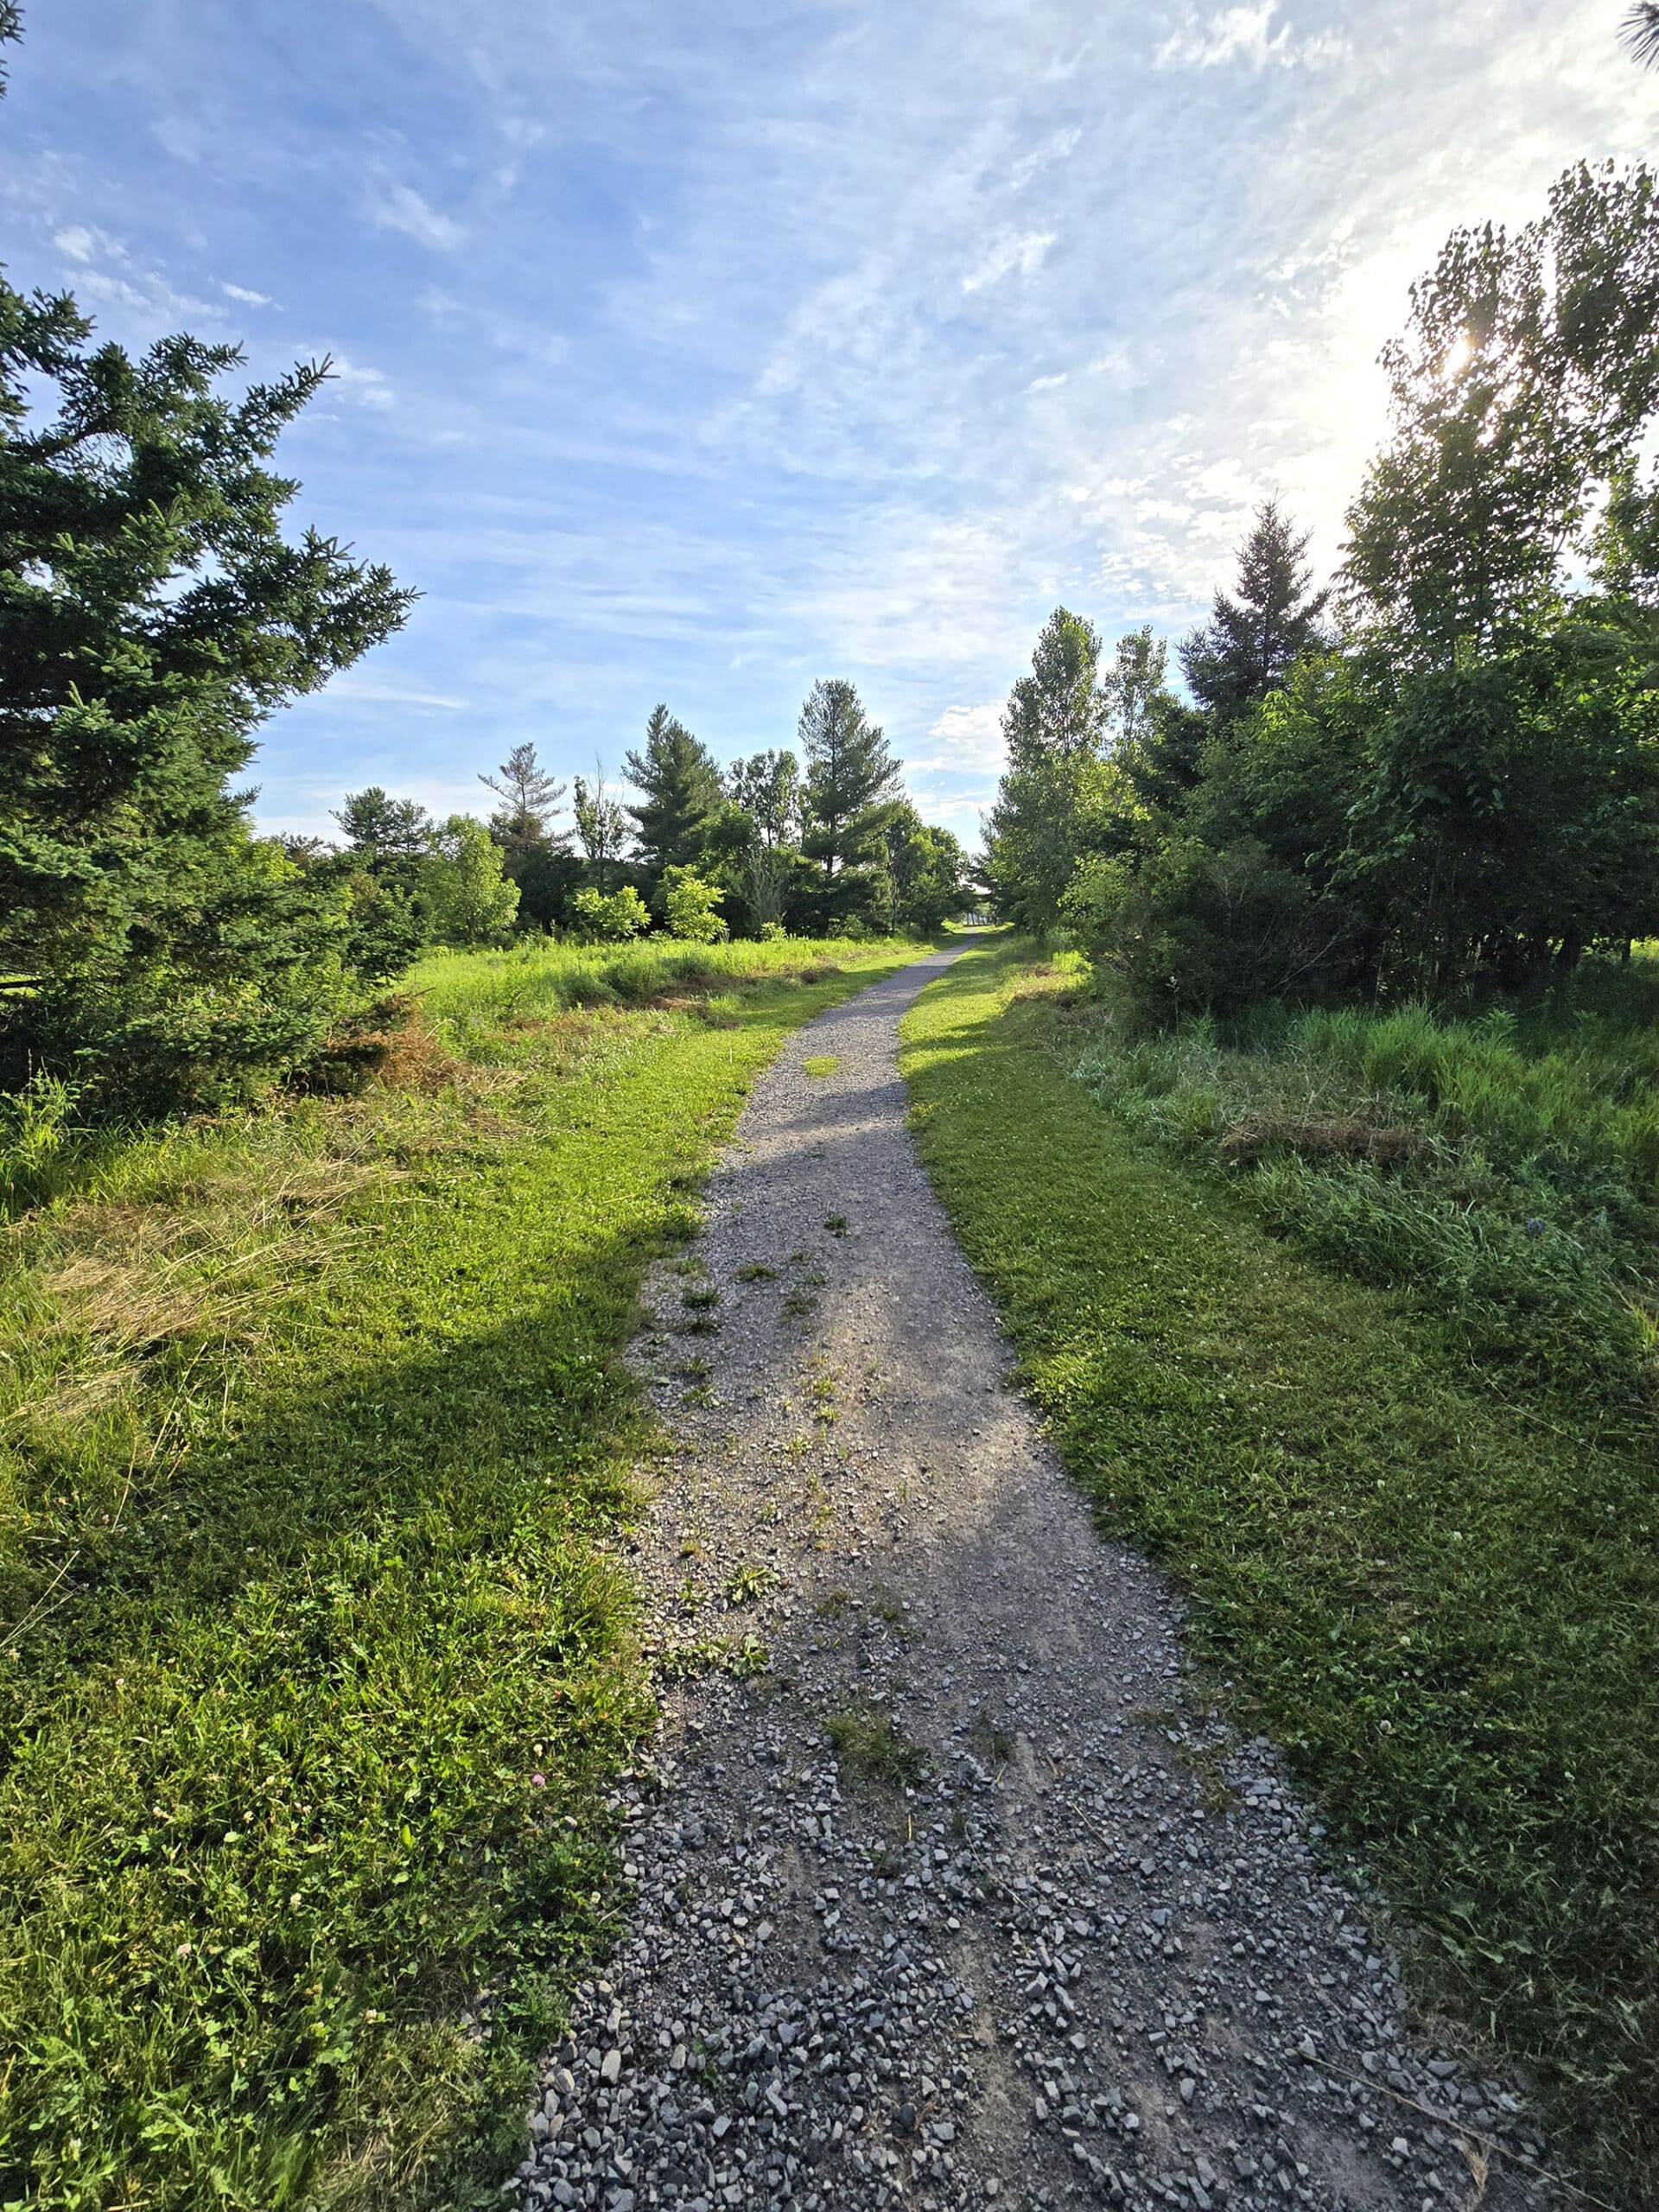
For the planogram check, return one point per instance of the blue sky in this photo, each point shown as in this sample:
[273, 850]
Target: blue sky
[692, 352]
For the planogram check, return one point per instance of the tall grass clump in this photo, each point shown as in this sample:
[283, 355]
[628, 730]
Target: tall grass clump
[1500, 1171]
[465, 994]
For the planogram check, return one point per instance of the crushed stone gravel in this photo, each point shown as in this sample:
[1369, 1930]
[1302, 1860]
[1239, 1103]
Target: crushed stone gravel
[944, 1896]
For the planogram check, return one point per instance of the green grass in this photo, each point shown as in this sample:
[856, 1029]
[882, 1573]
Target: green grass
[1442, 1601]
[869, 1748]
[316, 1677]
[1517, 1203]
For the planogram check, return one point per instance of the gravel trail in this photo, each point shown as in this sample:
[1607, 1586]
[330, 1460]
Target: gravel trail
[1025, 1934]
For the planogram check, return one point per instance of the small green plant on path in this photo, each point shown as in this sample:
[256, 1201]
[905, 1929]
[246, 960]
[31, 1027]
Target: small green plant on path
[868, 1746]
[315, 1675]
[821, 1064]
[1442, 1601]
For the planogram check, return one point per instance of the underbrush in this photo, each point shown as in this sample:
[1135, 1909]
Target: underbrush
[315, 1675]
[1441, 1598]
[1500, 1171]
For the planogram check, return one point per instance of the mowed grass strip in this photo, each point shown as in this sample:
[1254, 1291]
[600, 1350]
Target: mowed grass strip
[1443, 1605]
[315, 1674]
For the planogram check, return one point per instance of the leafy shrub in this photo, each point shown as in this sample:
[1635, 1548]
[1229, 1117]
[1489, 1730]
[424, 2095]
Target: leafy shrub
[691, 905]
[608, 918]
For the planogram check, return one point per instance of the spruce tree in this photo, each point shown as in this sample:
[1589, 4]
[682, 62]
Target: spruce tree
[1250, 642]
[151, 944]
[850, 778]
[679, 787]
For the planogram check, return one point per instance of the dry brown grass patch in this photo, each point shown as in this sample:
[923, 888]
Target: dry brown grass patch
[1342, 1136]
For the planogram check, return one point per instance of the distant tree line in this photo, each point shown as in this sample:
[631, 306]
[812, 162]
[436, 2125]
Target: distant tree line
[822, 841]
[1442, 775]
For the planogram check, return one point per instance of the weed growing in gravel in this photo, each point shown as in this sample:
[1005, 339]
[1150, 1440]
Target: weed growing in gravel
[867, 1746]
[747, 1582]
[821, 1064]
[1441, 1602]
[837, 1225]
[755, 1272]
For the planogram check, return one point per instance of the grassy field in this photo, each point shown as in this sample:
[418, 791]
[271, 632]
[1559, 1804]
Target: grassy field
[316, 1674]
[1434, 1581]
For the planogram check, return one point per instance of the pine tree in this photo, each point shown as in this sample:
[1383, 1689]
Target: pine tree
[530, 801]
[850, 777]
[1249, 644]
[680, 788]
[1641, 32]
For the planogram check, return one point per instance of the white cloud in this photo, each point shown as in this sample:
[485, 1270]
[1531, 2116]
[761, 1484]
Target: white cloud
[1023, 252]
[77, 242]
[367, 387]
[400, 208]
[1246, 34]
[394, 695]
[241, 292]
[965, 738]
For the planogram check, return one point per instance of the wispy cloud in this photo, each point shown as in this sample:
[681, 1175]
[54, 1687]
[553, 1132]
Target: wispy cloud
[1012, 252]
[397, 207]
[248, 299]
[1246, 34]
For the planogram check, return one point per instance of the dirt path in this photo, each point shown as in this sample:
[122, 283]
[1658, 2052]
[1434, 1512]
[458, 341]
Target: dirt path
[1086, 1955]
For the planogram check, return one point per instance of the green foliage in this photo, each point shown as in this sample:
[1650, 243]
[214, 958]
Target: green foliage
[1521, 1216]
[314, 1434]
[1509, 811]
[1250, 644]
[609, 917]
[679, 787]
[1058, 712]
[851, 777]
[927, 871]
[691, 906]
[470, 900]
[154, 614]
[1522, 384]
[1439, 1598]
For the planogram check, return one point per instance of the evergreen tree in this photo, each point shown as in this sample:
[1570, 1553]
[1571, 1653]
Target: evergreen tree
[850, 777]
[385, 834]
[679, 787]
[1641, 32]
[1250, 642]
[529, 800]
[154, 614]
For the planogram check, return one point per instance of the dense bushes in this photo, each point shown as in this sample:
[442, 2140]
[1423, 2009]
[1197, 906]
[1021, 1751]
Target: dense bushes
[1458, 791]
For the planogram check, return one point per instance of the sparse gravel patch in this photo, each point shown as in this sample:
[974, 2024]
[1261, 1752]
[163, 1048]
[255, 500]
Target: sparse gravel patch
[944, 1896]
